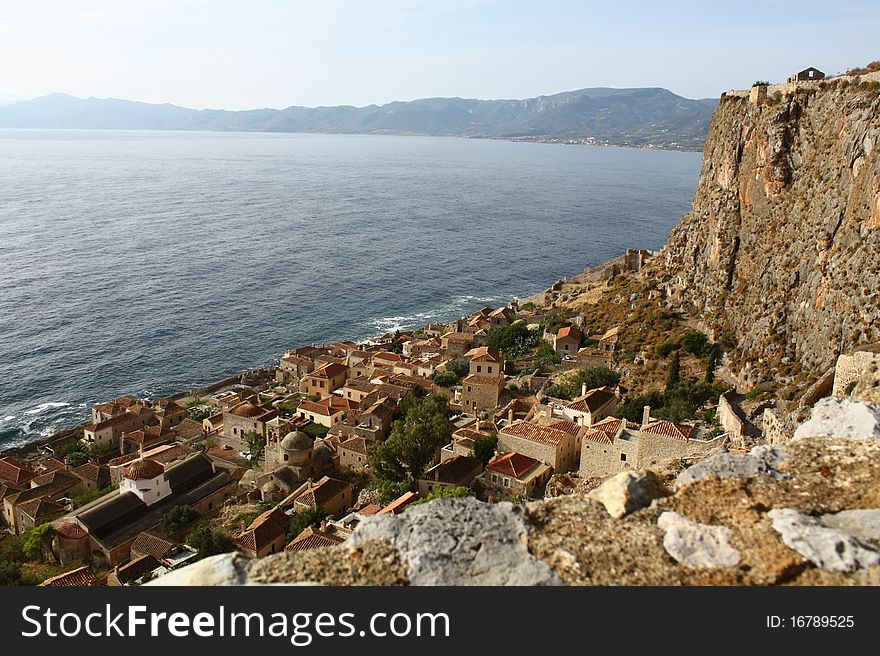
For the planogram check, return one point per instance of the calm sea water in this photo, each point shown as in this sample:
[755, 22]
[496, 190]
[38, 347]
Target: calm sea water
[151, 262]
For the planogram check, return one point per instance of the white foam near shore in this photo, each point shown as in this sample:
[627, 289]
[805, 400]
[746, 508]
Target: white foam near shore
[46, 406]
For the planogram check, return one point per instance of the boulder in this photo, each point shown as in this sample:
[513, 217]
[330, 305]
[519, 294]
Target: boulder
[843, 418]
[628, 491]
[826, 547]
[697, 545]
[762, 460]
[223, 569]
[459, 541]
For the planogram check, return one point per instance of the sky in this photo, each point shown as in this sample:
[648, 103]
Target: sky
[241, 54]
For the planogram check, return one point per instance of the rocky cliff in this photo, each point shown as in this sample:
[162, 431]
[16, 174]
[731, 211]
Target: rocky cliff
[780, 251]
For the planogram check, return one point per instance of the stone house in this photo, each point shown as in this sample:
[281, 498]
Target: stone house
[245, 418]
[567, 341]
[267, 534]
[551, 446]
[331, 494]
[807, 75]
[93, 477]
[457, 471]
[608, 340]
[501, 317]
[324, 380]
[12, 471]
[591, 406]
[109, 431]
[42, 498]
[456, 344]
[146, 438]
[515, 474]
[328, 411]
[353, 454]
[482, 387]
[374, 423]
[612, 445]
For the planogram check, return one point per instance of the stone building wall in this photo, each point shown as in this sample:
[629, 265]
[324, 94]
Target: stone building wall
[730, 421]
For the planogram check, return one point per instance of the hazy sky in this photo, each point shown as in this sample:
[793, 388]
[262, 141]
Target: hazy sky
[273, 53]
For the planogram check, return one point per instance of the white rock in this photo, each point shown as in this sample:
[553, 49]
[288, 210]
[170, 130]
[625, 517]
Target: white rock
[223, 569]
[628, 491]
[827, 547]
[697, 545]
[842, 418]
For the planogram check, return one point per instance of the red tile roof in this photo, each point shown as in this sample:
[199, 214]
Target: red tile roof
[80, 577]
[13, 471]
[604, 431]
[355, 444]
[312, 538]
[669, 429]
[513, 464]
[329, 370]
[71, 530]
[593, 401]
[569, 332]
[476, 379]
[568, 426]
[399, 503]
[264, 530]
[535, 433]
[484, 354]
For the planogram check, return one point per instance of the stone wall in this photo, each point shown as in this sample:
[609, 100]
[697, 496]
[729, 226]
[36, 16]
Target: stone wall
[776, 428]
[730, 421]
[850, 368]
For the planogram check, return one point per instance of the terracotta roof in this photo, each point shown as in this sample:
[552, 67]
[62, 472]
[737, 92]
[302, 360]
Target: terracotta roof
[71, 530]
[356, 444]
[99, 474]
[247, 409]
[264, 530]
[458, 337]
[535, 432]
[312, 538]
[136, 568]
[569, 332]
[390, 357]
[370, 509]
[457, 470]
[399, 503]
[568, 426]
[668, 429]
[323, 491]
[148, 543]
[80, 577]
[593, 400]
[604, 431]
[484, 354]
[476, 379]
[13, 471]
[317, 408]
[41, 509]
[513, 464]
[143, 469]
[609, 334]
[329, 370]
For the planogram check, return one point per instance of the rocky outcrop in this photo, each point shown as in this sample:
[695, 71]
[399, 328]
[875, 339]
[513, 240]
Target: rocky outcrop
[806, 514]
[781, 250]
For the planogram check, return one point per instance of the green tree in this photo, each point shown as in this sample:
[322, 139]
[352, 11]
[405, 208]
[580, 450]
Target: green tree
[178, 517]
[302, 519]
[10, 573]
[547, 354]
[77, 458]
[514, 340]
[256, 443]
[696, 343]
[674, 376]
[209, 541]
[484, 448]
[711, 363]
[38, 543]
[593, 377]
[445, 378]
[397, 463]
[446, 493]
[459, 367]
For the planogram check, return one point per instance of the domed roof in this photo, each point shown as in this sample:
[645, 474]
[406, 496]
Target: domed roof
[296, 441]
[144, 469]
[323, 456]
[246, 409]
[71, 531]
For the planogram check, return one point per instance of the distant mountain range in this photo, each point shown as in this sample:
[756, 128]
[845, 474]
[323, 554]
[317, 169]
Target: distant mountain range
[626, 117]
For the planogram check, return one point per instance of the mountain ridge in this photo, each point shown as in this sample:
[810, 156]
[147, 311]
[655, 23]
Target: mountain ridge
[641, 117]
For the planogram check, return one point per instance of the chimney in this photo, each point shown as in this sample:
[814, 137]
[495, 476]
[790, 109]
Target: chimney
[583, 389]
[646, 415]
[510, 415]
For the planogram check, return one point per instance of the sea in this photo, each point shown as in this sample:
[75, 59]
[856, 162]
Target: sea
[149, 262]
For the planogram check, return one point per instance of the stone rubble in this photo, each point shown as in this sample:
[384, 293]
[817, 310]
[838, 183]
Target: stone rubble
[628, 491]
[697, 545]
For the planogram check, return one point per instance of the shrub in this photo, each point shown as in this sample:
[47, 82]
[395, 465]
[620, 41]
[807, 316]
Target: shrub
[666, 348]
[528, 306]
[445, 378]
[314, 430]
[10, 573]
[514, 340]
[178, 517]
[88, 497]
[209, 541]
[445, 493]
[484, 448]
[755, 392]
[761, 83]
[593, 377]
[696, 343]
[302, 519]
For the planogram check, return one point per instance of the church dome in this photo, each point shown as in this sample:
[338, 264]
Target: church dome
[246, 409]
[144, 469]
[296, 441]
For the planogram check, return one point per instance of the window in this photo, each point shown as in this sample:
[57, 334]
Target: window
[506, 482]
[479, 369]
[469, 388]
[489, 369]
[622, 457]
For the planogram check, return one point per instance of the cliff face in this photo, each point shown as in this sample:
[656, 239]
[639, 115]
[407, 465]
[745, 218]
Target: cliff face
[781, 247]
